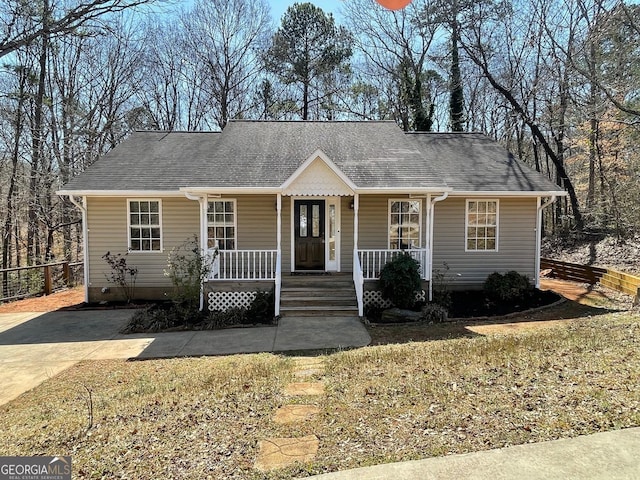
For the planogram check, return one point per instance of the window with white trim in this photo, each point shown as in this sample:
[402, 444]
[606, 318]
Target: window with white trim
[404, 224]
[482, 225]
[221, 224]
[145, 225]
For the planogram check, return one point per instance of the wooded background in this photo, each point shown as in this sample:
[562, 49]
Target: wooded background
[554, 81]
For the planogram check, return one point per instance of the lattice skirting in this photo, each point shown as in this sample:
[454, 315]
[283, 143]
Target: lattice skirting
[373, 298]
[226, 300]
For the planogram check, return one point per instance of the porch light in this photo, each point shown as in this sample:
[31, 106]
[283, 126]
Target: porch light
[351, 205]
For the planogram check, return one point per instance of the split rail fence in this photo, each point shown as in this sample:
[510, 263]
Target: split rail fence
[622, 282]
[23, 282]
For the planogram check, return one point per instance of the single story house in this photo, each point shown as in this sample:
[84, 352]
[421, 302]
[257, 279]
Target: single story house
[284, 197]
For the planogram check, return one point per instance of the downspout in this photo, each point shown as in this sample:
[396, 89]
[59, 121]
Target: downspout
[430, 253]
[541, 207]
[201, 199]
[85, 241]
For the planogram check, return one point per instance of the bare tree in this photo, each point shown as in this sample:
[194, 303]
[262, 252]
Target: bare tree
[396, 46]
[225, 38]
[22, 24]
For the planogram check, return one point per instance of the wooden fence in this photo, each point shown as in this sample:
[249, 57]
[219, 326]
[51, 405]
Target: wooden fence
[22, 282]
[622, 282]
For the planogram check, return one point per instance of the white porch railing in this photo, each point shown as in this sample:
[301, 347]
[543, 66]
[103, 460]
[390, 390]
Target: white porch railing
[358, 282]
[372, 261]
[244, 265]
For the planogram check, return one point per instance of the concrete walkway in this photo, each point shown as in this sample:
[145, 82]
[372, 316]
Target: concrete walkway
[37, 346]
[602, 456]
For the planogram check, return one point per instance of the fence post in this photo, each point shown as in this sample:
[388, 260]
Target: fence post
[47, 280]
[66, 274]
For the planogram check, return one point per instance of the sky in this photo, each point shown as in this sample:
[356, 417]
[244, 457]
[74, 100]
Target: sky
[278, 7]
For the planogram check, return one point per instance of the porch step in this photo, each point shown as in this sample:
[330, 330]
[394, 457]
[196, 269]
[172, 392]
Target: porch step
[318, 295]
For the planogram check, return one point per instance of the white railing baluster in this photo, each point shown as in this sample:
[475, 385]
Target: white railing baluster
[373, 260]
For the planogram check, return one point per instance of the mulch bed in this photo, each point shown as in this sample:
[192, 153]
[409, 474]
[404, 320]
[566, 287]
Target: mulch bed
[473, 303]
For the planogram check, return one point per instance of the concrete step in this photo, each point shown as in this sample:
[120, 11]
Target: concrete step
[325, 302]
[319, 311]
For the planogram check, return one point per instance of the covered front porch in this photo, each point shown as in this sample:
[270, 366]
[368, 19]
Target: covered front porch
[347, 235]
[317, 222]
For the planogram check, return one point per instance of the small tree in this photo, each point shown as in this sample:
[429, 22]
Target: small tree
[121, 274]
[400, 280]
[188, 267]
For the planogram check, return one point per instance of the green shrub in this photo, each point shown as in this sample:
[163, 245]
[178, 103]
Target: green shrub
[262, 308]
[400, 281]
[434, 313]
[509, 287]
[227, 318]
[187, 267]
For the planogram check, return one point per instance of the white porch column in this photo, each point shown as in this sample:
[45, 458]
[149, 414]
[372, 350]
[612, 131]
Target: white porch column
[279, 221]
[356, 206]
[278, 281]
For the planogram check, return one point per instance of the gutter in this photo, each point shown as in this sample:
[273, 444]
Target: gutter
[541, 207]
[85, 241]
[202, 200]
[432, 216]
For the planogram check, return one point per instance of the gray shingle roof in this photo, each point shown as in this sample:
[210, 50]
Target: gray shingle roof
[471, 162]
[253, 154]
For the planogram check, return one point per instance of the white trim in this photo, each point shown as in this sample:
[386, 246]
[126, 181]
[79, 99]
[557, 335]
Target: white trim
[85, 240]
[466, 225]
[235, 221]
[150, 226]
[540, 207]
[419, 213]
[274, 190]
[332, 266]
[461, 193]
[123, 193]
[322, 156]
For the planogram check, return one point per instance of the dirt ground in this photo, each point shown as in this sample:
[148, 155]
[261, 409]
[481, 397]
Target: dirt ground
[47, 303]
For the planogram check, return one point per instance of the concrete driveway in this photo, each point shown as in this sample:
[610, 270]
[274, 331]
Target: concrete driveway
[38, 346]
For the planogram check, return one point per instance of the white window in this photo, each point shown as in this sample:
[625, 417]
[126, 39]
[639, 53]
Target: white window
[221, 224]
[404, 224]
[145, 225]
[482, 225]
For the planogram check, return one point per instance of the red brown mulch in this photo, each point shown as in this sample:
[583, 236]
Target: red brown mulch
[47, 303]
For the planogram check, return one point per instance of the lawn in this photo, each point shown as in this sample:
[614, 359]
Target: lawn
[467, 391]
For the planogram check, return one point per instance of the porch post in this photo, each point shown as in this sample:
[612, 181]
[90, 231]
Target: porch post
[278, 282]
[356, 206]
[279, 225]
[426, 272]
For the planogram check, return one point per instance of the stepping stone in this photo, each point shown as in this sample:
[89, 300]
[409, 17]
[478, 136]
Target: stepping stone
[304, 388]
[295, 413]
[276, 453]
[308, 372]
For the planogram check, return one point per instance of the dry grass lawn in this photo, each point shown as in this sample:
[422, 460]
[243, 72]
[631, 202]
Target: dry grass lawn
[202, 418]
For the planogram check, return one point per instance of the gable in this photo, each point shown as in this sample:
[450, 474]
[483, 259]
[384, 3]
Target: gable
[318, 176]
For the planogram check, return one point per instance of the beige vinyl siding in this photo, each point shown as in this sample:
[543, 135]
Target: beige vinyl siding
[374, 221]
[257, 222]
[516, 242]
[346, 235]
[286, 234]
[107, 224]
